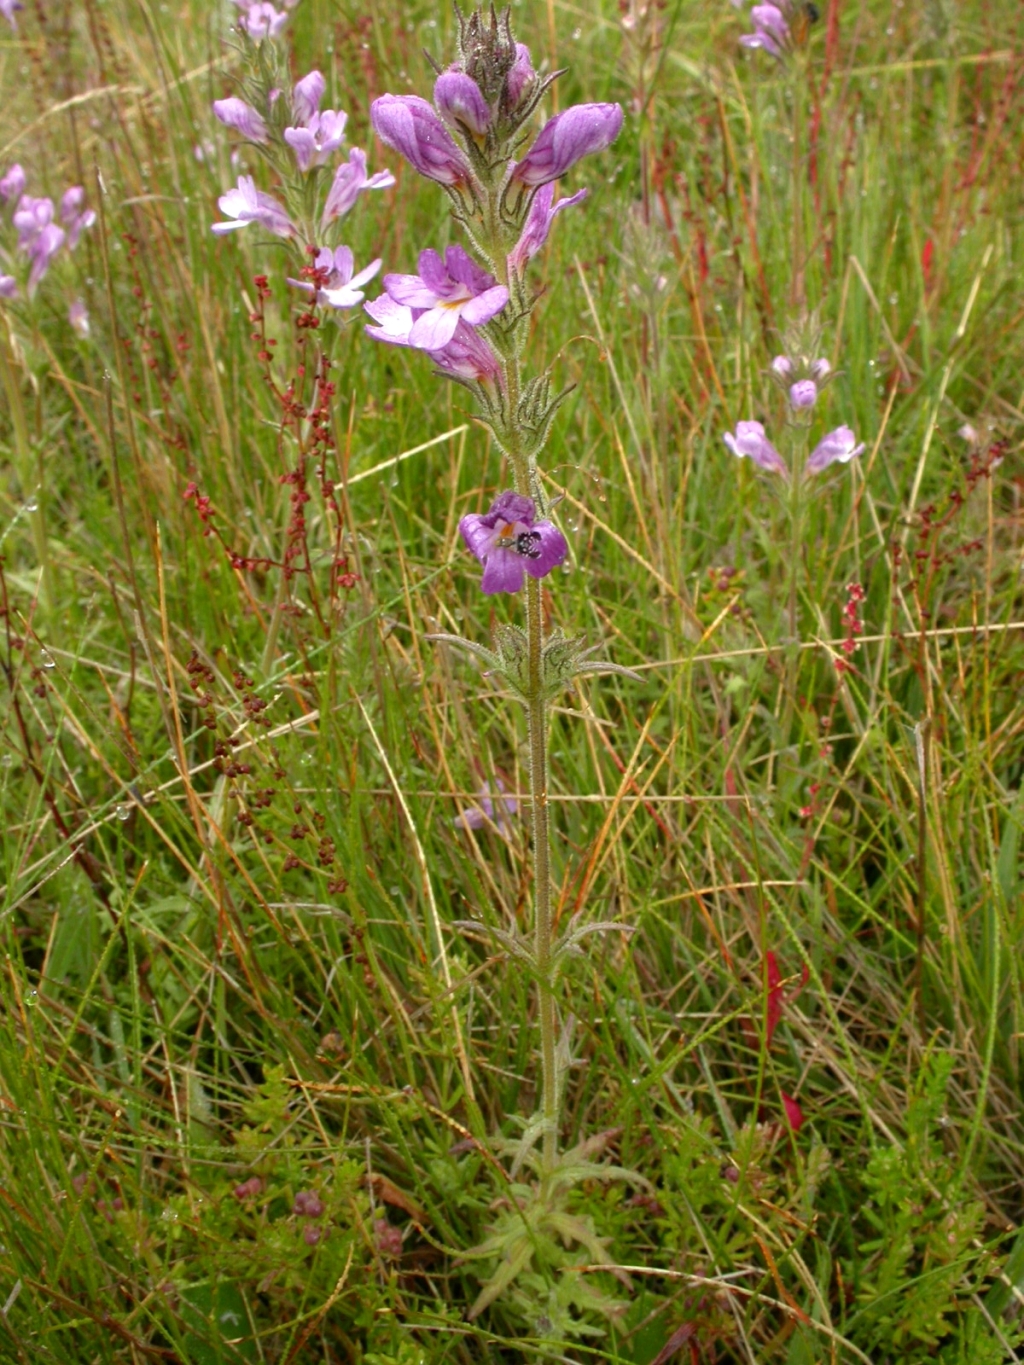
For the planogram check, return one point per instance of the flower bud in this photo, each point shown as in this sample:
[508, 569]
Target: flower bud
[235, 113]
[521, 77]
[803, 394]
[306, 96]
[459, 102]
[410, 126]
[564, 139]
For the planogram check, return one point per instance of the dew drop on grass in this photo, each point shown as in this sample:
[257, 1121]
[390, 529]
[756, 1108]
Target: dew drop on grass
[46, 659]
[31, 504]
[7, 761]
[32, 999]
[122, 812]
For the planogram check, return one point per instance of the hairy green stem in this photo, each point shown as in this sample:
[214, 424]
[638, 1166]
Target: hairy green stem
[537, 722]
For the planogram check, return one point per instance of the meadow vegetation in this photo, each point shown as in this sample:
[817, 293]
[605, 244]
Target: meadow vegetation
[266, 845]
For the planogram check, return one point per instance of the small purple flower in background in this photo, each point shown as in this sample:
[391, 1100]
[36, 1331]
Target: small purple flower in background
[460, 103]
[579, 131]
[782, 366]
[306, 96]
[489, 811]
[308, 1204]
[246, 204]
[446, 290]
[509, 543]
[839, 445]
[350, 179]
[538, 224]
[803, 394]
[237, 114]
[409, 125]
[318, 140]
[260, 20]
[78, 317]
[42, 251]
[74, 216]
[338, 287]
[771, 30]
[8, 287]
[12, 184]
[8, 8]
[820, 370]
[30, 218]
[751, 442]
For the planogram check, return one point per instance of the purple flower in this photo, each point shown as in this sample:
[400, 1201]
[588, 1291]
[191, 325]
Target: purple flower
[579, 131]
[235, 113]
[466, 356]
[8, 287]
[261, 21]
[460, 103]
[820, 369]
[446, 290]
[78, 317]
[350, 179]
[8, 8]
[538, 224]
[318, 140]
[803, 394]
[771, 31]
[750, 441]
[30, 217]
[839, 445]
[42, 251]
[340, 289]
[12, 184]
[306, 96]
[509, 543]
[246, 204]
[783, 366]
[521, 76]
[74, 217]
[308, 1204]
[489, 811]
[410, 126]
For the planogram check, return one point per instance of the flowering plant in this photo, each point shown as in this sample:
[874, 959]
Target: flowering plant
[469, 310]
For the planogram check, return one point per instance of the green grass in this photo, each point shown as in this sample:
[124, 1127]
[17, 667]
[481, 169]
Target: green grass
[188, 1000]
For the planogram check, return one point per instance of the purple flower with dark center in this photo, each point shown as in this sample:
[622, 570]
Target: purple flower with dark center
[466, 356]
[8, 287]
[8, 8]
[771, 30]
[318, 140]
[460, 103]
[446, 290]
[42, 251]
[237, 114]
[803, 394]
[520, 77]
[75, 217]
[839, 445]
[489, 811]
[350, 179]
[538, 224]
[509, 543]
[12, 184]
[564, 139]
[410, 126]
[341, 288]
[30, 217]
[751, 442]
[306, 96]
[261, 21]
[246, 204]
